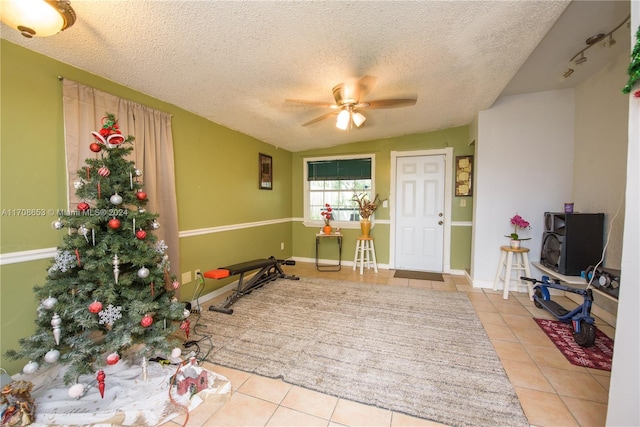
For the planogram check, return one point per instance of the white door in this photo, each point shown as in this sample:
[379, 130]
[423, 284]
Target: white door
[419, 213]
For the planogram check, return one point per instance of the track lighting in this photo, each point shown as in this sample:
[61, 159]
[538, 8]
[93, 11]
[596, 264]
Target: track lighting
[38, 18]
[579, 57]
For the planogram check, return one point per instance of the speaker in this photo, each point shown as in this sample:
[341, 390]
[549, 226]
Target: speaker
[572, 242]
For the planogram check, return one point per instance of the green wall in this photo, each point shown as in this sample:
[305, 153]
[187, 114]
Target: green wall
[457, 138]
[216, 181]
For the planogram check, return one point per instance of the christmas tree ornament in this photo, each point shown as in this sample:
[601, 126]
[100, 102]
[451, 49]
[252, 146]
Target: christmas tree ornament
[96, 148]
[175, 284]
[78, 257]
[114, 140]
[99, 191]
[138, 172]
[110, 315]
[130, 180]
[186, 313]
[116, 199]
[83, 206]
[99, 138]
[116, 269]
[141, 195]
[114, 223]
[56, 321]
[95, 307]
[30, 367]
[141, 234]
[143, 273]
[155, 224]
[84, 231]
[57, 224]
[144, 366]
[100, 377]
[113, 358]
[185, 326]
[48, 303]
[141, 210]
[104, 171]
[93, 237]
[63, 262]
[153, 289]
[146, 321]
[76, 390]
[77, 184]
[52, 356]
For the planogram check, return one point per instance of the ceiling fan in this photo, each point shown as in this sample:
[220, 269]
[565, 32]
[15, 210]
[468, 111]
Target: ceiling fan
[349, 99]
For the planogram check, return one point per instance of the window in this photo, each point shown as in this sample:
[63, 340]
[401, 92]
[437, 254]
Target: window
[335, 180]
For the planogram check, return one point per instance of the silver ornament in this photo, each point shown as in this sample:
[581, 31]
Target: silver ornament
[138, 172]
[56, 321]
[142, 210]
[49, 303]
[52, 356]
[30, 367]
[57, 224]
[143, 273]
[77, 184]
[116, 199]
[155, 225]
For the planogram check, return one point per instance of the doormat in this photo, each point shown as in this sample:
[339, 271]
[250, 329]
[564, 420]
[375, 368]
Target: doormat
[420, 275]
[597, 356]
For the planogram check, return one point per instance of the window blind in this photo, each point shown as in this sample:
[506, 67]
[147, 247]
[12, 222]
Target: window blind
[326, 170]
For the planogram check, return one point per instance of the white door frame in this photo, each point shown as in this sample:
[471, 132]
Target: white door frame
[448, 186]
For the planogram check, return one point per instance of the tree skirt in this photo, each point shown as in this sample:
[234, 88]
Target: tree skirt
[597, 356]
[128, 398]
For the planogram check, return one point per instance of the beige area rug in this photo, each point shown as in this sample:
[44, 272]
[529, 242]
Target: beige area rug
[420, 275]
[416, 351]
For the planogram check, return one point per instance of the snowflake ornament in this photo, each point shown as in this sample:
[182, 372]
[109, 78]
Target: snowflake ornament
[63, 262]
[161, 246]
[110, 315]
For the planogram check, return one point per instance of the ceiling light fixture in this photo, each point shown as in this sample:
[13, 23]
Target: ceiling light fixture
[348, 117]
[579, 57]
[38, 18]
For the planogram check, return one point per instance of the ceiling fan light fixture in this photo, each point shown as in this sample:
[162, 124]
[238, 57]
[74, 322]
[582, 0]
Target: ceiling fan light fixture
[39, 18]
[344, 118]
[358, 119]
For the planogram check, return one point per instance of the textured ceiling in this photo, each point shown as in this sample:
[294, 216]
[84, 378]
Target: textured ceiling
[235, 62]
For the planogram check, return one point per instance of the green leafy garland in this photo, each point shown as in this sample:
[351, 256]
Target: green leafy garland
[634, 66]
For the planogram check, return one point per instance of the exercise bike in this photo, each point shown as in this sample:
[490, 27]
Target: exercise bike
[583, 324]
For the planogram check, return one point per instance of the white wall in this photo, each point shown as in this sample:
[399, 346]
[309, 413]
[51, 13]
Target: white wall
[600, 173]
[524, 158]
[624, 389]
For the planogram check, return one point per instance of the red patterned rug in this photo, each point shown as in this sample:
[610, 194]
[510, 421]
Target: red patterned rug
[597, 356]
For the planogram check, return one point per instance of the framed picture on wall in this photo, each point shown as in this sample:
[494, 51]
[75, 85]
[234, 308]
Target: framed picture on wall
[464, 173]
[265, 162]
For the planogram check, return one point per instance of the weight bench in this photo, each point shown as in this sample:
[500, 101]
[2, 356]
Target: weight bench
[270, 269]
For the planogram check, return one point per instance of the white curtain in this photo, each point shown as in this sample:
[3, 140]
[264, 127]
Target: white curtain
[84, 108]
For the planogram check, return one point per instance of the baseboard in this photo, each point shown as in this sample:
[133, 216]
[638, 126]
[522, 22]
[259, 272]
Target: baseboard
[197, 303]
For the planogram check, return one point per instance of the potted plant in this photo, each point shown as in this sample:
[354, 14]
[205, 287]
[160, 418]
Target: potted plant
[327, 216]
[518, 222]
[366, 208]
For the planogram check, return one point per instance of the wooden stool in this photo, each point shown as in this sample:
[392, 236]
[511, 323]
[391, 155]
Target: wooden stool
[365, 253]
[507, 261]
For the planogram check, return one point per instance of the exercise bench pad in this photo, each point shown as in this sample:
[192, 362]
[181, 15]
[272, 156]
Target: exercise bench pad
[242, 267]
[216, 274]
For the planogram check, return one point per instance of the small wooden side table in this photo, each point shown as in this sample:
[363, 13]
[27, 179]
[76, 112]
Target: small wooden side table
[512, 259]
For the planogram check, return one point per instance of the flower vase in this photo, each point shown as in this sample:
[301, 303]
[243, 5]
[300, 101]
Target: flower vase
[326, 229]
[515, 244]
[365, 226]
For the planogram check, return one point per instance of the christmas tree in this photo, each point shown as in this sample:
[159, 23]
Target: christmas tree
[108, 292]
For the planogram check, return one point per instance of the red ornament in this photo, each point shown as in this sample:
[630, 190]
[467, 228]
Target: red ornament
[636, 94]
[146, 321]
[141, 234]
[104, 172]
[113, 358]
[141, 195]
[115, 139]
[100, 377]
[95, 147]
[95, 307]
[185, 327]
[114, 223]
[83, 206]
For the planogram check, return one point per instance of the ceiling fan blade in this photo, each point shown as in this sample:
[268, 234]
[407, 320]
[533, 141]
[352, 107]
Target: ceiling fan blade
[322, 117]
[365, 84]
[389, 103]
[320, 104]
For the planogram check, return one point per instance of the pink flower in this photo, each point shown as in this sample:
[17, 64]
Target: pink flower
[518, 222]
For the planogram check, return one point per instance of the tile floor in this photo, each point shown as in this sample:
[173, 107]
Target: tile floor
[551, 390]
